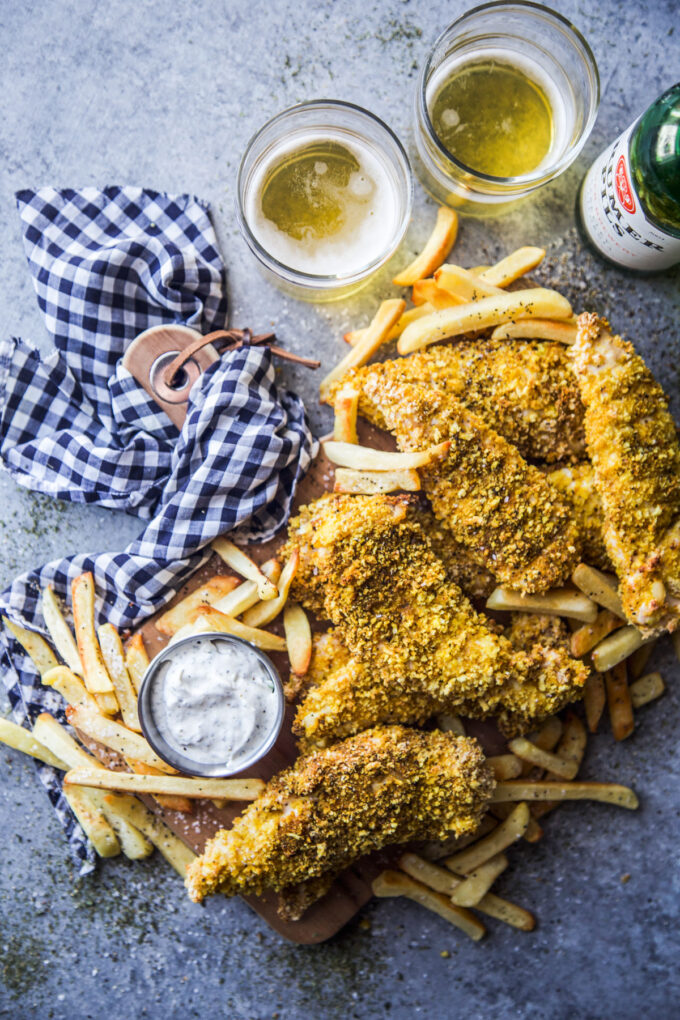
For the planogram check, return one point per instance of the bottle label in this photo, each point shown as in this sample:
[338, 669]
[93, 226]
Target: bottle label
[613, 217]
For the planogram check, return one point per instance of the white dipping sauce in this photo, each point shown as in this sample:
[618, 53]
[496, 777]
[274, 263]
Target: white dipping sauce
[214, 702]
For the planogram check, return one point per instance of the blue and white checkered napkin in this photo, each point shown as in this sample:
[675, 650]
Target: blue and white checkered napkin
[106, 265]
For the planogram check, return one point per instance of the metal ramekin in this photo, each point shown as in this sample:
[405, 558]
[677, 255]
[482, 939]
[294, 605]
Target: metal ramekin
[179, 761]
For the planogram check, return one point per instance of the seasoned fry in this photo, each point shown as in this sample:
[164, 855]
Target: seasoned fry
[607, 793]
[549, 734]
[136, 660]
[114, 657]
[503, 836]
[97, 680]
[524, 749]
[505, 766]
[265, 612]
[59, 630]
[587, 637]
[345, 406]
[34, 645]
[71, 688]
[619, 702]
[637, 663]
[490, 311]
[475, 887]
[594, 700]
[514, 265]
[94, 824]
[438, 246]
[410, 315]
[176, 853]
[617, 647]
[371, 482]
[646, 689]
[169, 801]
[536, 329]
[426, 292]
[598, 587]
[509, 913]
[130, 782]
[17, 737]
[298, 637]
[463, 285]
[111, 734]
[395, 883]
[210, 593]
[558, 602]
[243, 565]
[246, 595]
[572, 747]
[363, 458]
[213, 621]
[384, 319]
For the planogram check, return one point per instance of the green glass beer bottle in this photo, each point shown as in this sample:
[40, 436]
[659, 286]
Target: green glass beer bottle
[629, 203]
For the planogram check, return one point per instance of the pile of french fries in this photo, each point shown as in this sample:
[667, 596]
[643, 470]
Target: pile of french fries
[99, 681]
[449, 301]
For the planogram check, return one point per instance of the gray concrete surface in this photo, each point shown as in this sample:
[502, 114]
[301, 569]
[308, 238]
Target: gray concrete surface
[167, 96]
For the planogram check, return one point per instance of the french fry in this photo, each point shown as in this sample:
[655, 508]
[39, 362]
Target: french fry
[524, 749]
[594, 700]
[572, 748]
[245, 567]
[533, 833]
[445, 882]
[558, 602]
[372, 482]
[478, 882]
[463, 285]
[134, 845]
[114, 658]
[537, 329]
[639, 659]
[59, 630]
[97, 680]
[449, 723]
[23, 740]
[71, 688]
[514, 265]
[298, 637]
[183, 786]
[537, 302]
[136, 660]
[549, 734]
[410, 315]
[265, 612]
[503, 836]
[34, 645]
[438, 246]
[176, 853]
[364, 458]
[172, 803]
[94, 824]
[619, 701]
[426, 292]
[210, 593]
[646, 689]
[505, 766]
[345, 407]
[589, 635]
[606, 793]
[617, 647]
[395, 883]
[213, 621]
[114, 736]
[246, 595]
[384, 319]
[598, 587]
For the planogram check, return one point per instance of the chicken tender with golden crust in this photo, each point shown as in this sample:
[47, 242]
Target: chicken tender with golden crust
[633, 445]
[389, 785]
[526, 391]
[512, 521]
[577, 482]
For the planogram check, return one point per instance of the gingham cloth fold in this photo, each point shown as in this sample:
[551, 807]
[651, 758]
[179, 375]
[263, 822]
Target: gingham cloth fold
[107, 265]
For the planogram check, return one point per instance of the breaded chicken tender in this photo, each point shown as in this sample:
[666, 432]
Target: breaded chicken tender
[633, 446]
[577, 482]
[512, 521]
[525, 391]
[389, 785]
[408, 644]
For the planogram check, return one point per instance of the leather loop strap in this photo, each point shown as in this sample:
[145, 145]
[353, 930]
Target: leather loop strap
[230, 340]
